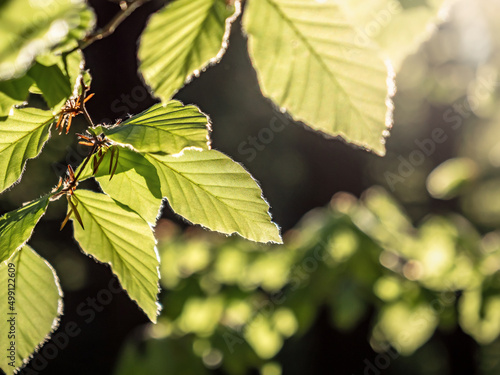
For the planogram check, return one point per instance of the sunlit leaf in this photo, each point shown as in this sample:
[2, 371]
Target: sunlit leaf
[35, 309]
[22, 136]
[31, 28]
[13, 91]
[53, 76]
[164, 128]
[17, 226]
[57, 76]
[52, 83]
[181, 39]
[134, 184]
[397, 26]
[302, 52]
[120, 237]
[208, 188]
[80, 23]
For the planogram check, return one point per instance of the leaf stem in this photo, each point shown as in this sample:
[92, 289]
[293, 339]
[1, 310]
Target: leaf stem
[87, 116]
[83, 95]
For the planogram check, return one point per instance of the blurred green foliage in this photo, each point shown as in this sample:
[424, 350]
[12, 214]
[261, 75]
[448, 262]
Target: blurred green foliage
[232, 303]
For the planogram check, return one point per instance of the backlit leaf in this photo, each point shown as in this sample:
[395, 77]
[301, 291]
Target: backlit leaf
[134, 184]
[31, 28]
[118, 236]
[309, 61]
[181, 39]
[17, 226]
[13, 91]
[57, 76]
[22, 136]
[164, 128]
[208, 188]
[36, 308]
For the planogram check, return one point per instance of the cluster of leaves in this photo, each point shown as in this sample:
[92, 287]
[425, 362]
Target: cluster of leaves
[231, 304]
[309, 61]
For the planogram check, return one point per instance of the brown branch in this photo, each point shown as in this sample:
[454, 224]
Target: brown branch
[126, 10]
[87, 116]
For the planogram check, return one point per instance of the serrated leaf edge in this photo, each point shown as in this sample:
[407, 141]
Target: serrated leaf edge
[57, 320]
[159, 306]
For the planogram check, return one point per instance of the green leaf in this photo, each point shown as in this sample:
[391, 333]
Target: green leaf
[301, 50]
[82, 23]
[57, 76]
[208, 188]
[397, 26]
[37, 306]
[17, 226]
[449, 178]
[31, 28]
[164, 128]
[13, 91]
[181, 40]
[53, 76]
[22, 137]
[51, 82]
[118, 236]
[134, 184]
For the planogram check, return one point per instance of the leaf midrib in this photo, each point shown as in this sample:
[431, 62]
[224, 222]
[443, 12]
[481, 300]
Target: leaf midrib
[318, 58]
[125, 264]
[46, 123]
[209, 193]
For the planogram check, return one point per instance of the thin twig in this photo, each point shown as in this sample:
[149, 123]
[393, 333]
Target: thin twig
[87, 116]
[85, 89]
[86, 161]
[127, 9]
